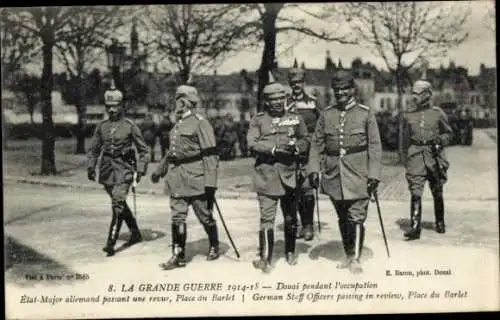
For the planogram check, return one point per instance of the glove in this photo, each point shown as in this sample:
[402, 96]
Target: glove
[91, 174]
[155, 177]
[372, 186]
[314, 180]
[283, 152]
[139, 176]
[437, 146]
[210, 195]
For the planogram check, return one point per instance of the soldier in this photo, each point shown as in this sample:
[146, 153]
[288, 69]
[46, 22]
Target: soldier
[242, 130]
[114, 138]
[346, 147]
[163, 133]
[307, 106]
[428, 131]
[192, 178]
[276, 137]
[149, 129]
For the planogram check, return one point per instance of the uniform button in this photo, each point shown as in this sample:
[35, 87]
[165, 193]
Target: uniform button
[341, 137]
[341, 129]
[341, 124]
[341, 142]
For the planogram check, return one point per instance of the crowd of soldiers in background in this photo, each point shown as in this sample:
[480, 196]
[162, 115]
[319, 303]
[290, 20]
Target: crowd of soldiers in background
[229, 134]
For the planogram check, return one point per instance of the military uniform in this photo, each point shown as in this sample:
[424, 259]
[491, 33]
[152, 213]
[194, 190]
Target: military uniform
[190, 167]
[346, 149]
[307, 106]
[426, 127]
[114, 140]
[164, 132]
[149, 129]
[275, 174]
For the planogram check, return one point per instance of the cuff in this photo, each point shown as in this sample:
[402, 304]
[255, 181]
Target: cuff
[272, 151]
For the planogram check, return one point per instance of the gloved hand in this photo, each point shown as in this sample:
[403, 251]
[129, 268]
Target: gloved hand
[372, 186]
[155, 177]
[91, 174]
[437, 146]
[314, 179]
[210, 195]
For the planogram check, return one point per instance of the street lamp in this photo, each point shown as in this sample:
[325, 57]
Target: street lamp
[116, 57]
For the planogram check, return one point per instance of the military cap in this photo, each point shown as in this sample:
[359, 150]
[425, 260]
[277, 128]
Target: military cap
[113, 96]
[421, 86]
[188, 92]
[273, 90]
[342, 79]
[296, 74]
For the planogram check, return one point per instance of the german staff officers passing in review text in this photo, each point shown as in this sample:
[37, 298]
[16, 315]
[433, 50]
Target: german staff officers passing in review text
[346, 149]
[190, 166]
[114, 139]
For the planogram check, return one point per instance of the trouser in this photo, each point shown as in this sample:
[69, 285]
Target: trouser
[268, 207]
[164, 144]
[351, 217]
[179, 208]
[306, 204]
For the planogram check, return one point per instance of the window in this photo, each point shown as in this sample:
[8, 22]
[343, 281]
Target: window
[381, 103]
[389, 103]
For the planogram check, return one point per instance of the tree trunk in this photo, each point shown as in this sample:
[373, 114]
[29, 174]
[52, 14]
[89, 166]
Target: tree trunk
[48, 139]
[80, 111]
[401, 153]
[269, 54]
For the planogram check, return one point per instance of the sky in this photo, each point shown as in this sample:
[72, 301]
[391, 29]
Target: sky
[480, 47]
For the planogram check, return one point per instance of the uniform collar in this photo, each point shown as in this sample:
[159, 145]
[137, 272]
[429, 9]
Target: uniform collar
[349, 105]
[299, 96]
[186, 114]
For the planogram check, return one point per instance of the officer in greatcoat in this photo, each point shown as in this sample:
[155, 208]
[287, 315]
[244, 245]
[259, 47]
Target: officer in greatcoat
[190, 167]
[346, 149]
[276, 137]
[428, 131]
[114, 139]
[307, 106]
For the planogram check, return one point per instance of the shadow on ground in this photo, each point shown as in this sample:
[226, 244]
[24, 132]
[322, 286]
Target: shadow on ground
[405, 224]
[147, 235]
[334, 250]
[22, 262]
[281, 227]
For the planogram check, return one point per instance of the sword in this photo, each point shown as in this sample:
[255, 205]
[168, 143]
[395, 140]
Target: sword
[317, 209]
[375, 197]
[225, 228]
[134, 184]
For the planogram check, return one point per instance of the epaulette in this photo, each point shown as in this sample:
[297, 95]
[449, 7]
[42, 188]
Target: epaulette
[129, 121]
[310, 96]
[260, 113]
[330, 107]
[198, 116]
[362, 106]
[437, 108]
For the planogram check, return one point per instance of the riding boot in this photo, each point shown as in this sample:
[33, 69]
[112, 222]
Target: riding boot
[131, 222]
[300, 226]
[213, 239]
[416, 219]
[259, 262]
[113, 234]
[346, 244]
[439, 212]
[306, 216]
[359, 237]
[290, 233]
[178, 248]
[266, 245]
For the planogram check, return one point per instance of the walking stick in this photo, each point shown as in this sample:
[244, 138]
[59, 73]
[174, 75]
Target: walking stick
[134, 184]
[375, 196]
[225, 228]
[317, 209]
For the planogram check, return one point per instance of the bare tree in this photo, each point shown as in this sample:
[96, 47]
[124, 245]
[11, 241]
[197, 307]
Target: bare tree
[489, 20]
[26, 87]
[47, 25]
[18, 47]
[80, 47]
[275, 18]
[404, 34]
[197, 37]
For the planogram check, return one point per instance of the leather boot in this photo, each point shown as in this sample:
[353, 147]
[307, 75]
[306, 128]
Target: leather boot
[359, 236]
[307, 215]
[113, 234]
[290, 232]
[266, 244]
[213, 239]
[439, 212]
[416, 219]
[178, 259]
[348, 238]
[135, 236]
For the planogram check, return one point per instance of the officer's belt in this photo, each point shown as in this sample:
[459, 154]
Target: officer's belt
[422, 142]
[204, 153]
[344, 151]
[117, 153]
[270, 159]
